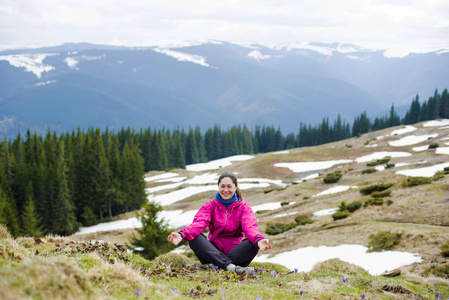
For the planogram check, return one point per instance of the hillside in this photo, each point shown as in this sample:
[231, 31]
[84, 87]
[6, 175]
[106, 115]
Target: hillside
[420, 213]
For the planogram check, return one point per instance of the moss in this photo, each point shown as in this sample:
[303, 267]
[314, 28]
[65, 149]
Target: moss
[384, 240]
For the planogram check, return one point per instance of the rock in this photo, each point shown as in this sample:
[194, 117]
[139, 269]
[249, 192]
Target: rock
[392, 273]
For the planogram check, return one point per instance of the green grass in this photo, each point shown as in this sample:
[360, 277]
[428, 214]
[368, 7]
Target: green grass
[59, 268]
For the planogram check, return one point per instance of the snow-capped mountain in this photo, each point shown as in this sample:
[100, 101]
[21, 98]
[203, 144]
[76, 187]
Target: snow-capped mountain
[206, 83]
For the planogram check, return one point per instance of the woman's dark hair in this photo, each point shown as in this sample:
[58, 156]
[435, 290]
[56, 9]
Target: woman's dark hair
[234, 180]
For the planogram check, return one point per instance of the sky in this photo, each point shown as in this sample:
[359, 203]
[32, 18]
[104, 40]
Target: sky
[398, 26]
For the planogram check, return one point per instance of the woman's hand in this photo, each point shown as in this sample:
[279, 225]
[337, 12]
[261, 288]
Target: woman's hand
[264, 244]
[174, 238]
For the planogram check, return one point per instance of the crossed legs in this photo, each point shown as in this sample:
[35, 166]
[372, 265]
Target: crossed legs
[241, 255]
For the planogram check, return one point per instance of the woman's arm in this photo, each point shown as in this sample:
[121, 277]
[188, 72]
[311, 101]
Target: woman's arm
[174, 238]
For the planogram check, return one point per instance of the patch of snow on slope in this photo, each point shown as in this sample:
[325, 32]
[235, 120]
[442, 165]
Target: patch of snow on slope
[424, 172]
[31, 62]
[257, 55]
[335, 189]
[299, 167]
[411, 140]
[72, 62]
[218, 163]
[436, 123]
[403, 130]
[442, 150]
[421, 148]
[380, 155]
[304, 259]
[44, 83]
[180, 56]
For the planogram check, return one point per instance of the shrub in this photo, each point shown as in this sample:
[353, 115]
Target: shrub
[4, 233]
[414, 181]
[381, 194]
[378, 162]
[353, 206]
[340, 215]
[283, 203]
[389, 202]
[369, 171]
[388, 166]
[441, 271]
[262, 211]
[438, 175]
[305, 198]
[342, 206]
[277, 228]
[433, 146]
[445, 250]
[384, 240]
[375, 188]
[373, 201]
[332, 177]
[303, 220]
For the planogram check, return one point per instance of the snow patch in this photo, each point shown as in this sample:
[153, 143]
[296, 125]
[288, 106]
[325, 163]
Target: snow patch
[380, 155]
[325, 212]
[423, 172]
[436, 123]
[412, 140]
[304, 259]
[31, 62]
[335, 190]
[299, 167]
[180, 56]
[218, 163]
[403, 130]
[257, 55]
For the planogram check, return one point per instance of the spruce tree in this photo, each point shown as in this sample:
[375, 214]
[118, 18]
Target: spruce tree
[8, 215]
[152, 236]
[64, 219]
[31, 222]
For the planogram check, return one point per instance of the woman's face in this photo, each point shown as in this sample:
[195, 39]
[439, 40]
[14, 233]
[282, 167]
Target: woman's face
[227, 188]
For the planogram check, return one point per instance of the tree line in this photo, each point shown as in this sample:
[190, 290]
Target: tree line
[57, 183]
[52, 185]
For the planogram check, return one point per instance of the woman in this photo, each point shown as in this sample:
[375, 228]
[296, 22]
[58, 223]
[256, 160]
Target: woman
[229, 219]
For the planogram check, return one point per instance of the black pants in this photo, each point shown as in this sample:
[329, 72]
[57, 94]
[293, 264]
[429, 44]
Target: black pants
[207, 253]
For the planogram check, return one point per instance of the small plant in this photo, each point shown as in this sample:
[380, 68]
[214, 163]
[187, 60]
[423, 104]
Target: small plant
[378, 162]
[353, 206]
[438, 175]
[262, 211]
[305, 198]
[373, 201]
[384, 240]
[333, 177]
[389, 166]
[303, 220]
[277, 228]
[283, 203]
[414, 181]
[441, 271]
[340, 215]
[433, 146]
[389, 202]
[445, 249]
[369, 171]
[381, 194]
[375, 188]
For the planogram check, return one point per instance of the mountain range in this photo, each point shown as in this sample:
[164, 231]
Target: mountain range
[207, 83]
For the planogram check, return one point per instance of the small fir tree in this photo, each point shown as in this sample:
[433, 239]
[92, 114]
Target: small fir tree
[152, 236]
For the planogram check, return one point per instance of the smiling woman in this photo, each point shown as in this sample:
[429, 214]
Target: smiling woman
[229, 220]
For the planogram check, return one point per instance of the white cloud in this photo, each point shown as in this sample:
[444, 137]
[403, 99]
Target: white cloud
[399, 27]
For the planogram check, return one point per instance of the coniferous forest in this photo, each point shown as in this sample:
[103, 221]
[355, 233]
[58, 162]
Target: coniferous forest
[56, 183]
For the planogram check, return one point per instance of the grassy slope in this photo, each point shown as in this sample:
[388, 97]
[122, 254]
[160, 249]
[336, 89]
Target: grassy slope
[64, 268]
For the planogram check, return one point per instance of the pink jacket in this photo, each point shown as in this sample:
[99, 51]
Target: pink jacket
[227, 227]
